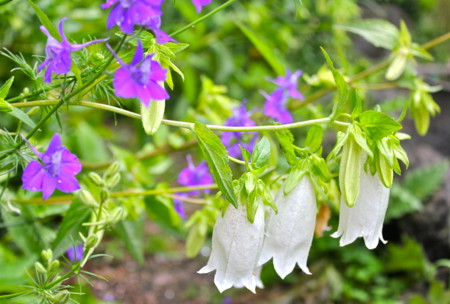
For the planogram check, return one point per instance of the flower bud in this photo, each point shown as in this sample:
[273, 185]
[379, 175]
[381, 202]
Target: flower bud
[40, 268]
[87, 199]
[54, 266]
[117, 214]
[92, 241]
[112, 181]
[96, 179]
[26, 91]
[61, 297]
[47, 255]
[152, 116]
[112, 170]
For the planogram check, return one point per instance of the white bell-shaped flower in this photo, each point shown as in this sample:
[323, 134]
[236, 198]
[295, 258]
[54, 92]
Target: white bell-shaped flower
[289, 233]
[236, 245]
[365, 218]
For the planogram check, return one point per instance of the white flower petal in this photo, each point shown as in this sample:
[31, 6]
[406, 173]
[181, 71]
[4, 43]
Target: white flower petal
[365, 219]
[289, 233]
[236, 244]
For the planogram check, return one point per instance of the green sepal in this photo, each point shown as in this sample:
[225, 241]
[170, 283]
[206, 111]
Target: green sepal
[261, 153]
[295, 176]
[314, 138]
[350, 171]
[286, 140]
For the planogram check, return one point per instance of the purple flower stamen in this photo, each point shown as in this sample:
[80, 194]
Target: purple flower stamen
[56, 170]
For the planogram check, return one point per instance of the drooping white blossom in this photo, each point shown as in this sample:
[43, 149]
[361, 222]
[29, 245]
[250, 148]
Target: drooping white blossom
[365, 218]
[236, 245]
[289, 233]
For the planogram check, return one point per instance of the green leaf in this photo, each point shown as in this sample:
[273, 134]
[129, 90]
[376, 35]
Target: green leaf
[71, 224]
[261, 153]
[266, 51]
[217, 157]
[161, 210]
[425, 181]
[45, 21]
[314, 138]
[131, 234]
[4, 90]
[378, 125]
[5, 106]
[28, 234]
[21, 115]
[342, 86]
[379, 32]
[402, 202]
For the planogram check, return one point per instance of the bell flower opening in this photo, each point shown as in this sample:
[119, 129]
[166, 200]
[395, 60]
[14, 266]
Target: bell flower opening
[236, 245]
[289, 233]
[365, 219]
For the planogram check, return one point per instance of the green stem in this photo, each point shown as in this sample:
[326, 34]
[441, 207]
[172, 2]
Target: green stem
[187, 125]
[192, 24]
[75, 268]
[69, 198]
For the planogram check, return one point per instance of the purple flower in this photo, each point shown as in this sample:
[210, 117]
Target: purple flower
[192, 176]
[142, 78]
[75, 253]
[232, 140]
[275, 105]
[289, 83]
[56, 170]
[199, 3]
[128, 13]
[59, 53]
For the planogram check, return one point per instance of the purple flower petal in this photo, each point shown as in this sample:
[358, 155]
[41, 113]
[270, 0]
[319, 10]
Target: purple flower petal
[199, 3]
[67, 183]
[75, 253]
[48, 186]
